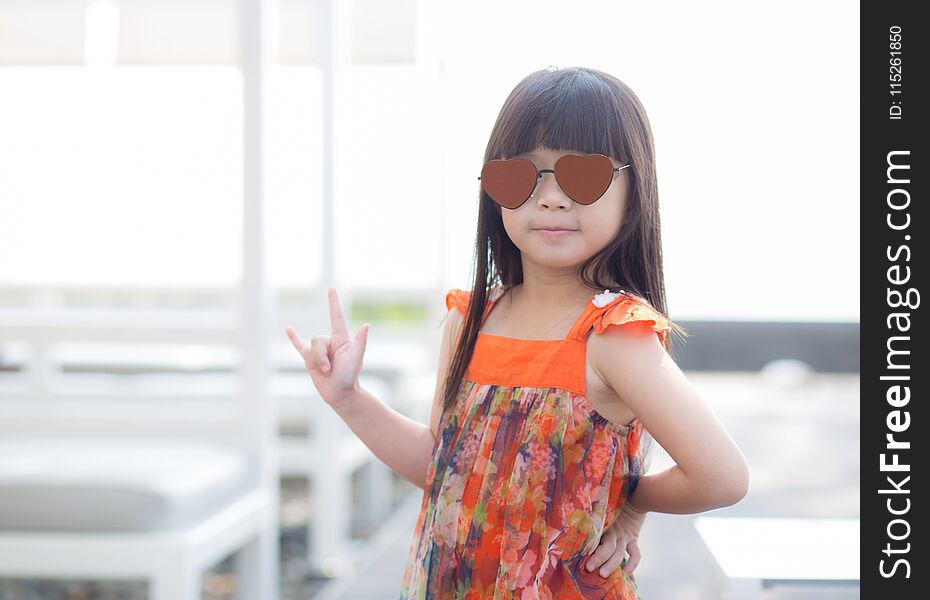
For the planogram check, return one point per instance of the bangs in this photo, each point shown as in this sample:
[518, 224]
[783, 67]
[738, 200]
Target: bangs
[564, 110]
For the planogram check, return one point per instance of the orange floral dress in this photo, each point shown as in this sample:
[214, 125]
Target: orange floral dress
[526, 474]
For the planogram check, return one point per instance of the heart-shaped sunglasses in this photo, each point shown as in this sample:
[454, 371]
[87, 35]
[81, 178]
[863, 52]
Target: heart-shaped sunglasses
[583, 178]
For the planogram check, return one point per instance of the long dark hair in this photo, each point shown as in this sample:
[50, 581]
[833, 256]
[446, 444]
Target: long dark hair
[588, 111]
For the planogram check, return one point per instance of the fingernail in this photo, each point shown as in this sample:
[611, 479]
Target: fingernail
[603, 572]
[590, 567]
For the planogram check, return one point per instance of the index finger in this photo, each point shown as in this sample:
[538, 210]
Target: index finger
[337, 320]
[295, 339]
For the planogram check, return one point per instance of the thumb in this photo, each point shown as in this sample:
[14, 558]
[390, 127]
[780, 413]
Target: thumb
[361, 339]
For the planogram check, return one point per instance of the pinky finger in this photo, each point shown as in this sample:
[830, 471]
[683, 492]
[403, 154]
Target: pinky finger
[633, 550]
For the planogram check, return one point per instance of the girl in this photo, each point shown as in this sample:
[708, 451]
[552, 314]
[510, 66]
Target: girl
[554, 371]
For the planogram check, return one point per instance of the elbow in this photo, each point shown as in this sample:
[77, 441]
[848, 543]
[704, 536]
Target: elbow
[735, 496]
[734, 486]
[722, 488]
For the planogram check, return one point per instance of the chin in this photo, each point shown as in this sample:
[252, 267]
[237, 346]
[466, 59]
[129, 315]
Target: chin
[555, 258]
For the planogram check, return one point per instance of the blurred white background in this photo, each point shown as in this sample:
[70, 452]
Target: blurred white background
[121, 185]
[754, 111]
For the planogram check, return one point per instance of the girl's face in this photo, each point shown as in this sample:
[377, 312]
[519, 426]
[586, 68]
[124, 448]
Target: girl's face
[591, 227]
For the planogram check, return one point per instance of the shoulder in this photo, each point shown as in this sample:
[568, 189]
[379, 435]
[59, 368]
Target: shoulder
[627, 351]
[628, 316]
[629, 328]
[457, 307]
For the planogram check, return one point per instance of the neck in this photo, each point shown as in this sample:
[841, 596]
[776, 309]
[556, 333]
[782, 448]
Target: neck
[558, 293]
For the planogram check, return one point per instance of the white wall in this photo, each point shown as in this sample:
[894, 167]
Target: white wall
[132, 175]
[755, 112]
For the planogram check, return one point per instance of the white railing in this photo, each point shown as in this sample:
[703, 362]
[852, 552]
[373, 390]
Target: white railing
[174, 373]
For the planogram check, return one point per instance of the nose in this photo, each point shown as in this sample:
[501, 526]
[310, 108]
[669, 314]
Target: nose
[548, 194]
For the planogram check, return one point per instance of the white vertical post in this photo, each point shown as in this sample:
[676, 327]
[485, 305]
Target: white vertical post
[376, 499]
[327, 554]
[335, 51]
[431, 43]
[444, 221]
[176, 581]
[259, 27]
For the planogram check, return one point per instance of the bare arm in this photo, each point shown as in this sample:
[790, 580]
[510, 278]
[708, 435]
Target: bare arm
[711, 472]
[401, 443]
[334, 363]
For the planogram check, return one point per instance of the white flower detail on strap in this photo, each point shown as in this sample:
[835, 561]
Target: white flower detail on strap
[602, 300]
[496, 293]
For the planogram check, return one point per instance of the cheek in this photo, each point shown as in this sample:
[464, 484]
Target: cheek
[514, 223]
[508, 223]
[603, 225]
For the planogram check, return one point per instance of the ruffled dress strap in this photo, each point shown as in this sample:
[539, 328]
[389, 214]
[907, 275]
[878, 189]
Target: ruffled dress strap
[459, 299]
[620, 309]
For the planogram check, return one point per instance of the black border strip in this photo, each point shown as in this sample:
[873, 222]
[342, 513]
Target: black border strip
[893, 130]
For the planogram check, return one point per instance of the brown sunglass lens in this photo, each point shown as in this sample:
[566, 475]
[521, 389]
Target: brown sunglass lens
[584, 179]
[509, 182]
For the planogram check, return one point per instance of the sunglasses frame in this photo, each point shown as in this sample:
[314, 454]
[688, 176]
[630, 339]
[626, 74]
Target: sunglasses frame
[539, 174]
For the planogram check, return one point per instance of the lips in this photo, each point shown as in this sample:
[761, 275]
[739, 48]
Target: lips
[555, 229]
[556, 234]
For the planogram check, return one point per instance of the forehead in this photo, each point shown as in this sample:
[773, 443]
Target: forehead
[548, 153]
[541, 154]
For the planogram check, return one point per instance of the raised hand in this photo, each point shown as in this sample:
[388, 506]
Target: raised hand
[334, 361]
